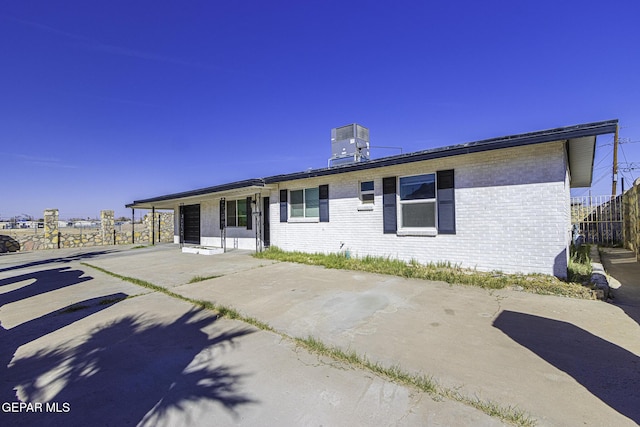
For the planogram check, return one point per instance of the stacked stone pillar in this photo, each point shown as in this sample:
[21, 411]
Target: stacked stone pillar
[51, 229]
[107, 227]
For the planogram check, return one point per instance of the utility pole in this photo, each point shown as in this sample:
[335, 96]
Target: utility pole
[615, 163]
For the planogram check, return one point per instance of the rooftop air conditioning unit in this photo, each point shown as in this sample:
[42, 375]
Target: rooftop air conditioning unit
[349, 144]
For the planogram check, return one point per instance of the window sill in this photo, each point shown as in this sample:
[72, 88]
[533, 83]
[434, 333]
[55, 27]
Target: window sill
[365, 207]
[417, 232]
[303, 220]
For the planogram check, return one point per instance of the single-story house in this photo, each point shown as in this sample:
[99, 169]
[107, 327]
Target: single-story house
[497, 204]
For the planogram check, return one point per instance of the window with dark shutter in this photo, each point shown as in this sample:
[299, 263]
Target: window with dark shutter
[446, 202]
[389, 213]
[417, 210]
[283, 206]
[324, 203]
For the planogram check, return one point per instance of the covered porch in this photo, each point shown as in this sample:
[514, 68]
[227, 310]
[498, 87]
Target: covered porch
[217, 219]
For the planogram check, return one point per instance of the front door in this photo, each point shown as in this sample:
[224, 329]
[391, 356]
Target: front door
[191, 215]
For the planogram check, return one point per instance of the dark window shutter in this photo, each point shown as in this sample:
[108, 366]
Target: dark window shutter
[181, 224]
[249, 214]
[446, 202]
[389, 213]
[223, 214]
[283, 205]
[323, 191]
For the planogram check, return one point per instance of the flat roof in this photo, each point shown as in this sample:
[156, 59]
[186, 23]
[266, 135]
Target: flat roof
[581, 139]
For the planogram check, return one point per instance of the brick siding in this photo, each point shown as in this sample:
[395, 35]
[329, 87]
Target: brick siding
[512, 213]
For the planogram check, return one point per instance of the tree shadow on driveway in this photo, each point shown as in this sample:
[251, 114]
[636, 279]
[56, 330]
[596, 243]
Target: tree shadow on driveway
[131, 370]
[608, 371]
[44, 281]
[12, 339]
[64, 260]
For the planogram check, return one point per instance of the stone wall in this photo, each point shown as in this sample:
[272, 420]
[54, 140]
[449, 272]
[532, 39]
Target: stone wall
[51, 234]
[155, 228]
[161, 224]
[631, 218]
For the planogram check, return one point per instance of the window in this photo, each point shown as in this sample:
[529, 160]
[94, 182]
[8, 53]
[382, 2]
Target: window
[236, 213]
[366, 192]
[422, 208]
[417, 205]
[305, 203]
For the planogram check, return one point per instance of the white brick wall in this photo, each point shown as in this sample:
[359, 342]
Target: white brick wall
[511, 213]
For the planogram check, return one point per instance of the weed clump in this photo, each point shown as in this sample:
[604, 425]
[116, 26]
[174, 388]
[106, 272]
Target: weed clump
[196, 279]
[579, 269]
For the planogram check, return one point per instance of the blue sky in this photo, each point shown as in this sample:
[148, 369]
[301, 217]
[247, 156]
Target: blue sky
[103, 103]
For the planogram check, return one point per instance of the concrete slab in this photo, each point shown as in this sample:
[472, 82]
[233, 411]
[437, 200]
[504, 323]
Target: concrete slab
[165, 265]
[565, 361]
[70, 343]
[622, 266]
[515, 348]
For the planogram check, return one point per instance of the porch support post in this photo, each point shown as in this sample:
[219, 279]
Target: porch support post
[133, 225]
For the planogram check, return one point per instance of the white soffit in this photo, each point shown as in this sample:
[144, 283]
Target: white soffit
[581, 155]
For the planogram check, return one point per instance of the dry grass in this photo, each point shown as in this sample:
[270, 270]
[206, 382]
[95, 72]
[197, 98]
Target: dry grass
[441, 271]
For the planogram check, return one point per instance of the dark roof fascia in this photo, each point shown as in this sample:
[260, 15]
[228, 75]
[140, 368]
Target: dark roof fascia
[256, 182]
[538, 137]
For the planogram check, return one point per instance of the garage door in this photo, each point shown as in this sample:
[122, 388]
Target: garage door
[191, 221]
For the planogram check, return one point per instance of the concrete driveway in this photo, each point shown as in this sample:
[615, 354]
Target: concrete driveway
[79, 347]
[564, 361]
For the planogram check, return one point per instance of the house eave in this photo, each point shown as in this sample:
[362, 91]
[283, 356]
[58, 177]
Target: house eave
[581, 154]
[169, 201]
